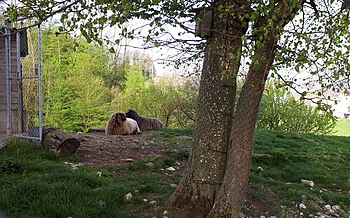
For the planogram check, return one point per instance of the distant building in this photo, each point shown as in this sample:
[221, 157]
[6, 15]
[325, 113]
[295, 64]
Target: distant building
[340, 103]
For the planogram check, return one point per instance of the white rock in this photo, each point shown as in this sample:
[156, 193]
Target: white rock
[128, 160]
[128, 196]
[170, 169]
[144, 200]
[99, 174]
[307, 182]
[262, 216]
[327, 206]
[173, 185]
[302, 206]
[336, 207]
[153, 202]
[165, 212]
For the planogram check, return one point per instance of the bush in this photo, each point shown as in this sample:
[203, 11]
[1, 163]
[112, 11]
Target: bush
[281, 111]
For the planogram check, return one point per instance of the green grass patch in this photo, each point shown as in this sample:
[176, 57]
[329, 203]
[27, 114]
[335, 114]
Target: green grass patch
[292, 157]
[342, 127]
[35, 183]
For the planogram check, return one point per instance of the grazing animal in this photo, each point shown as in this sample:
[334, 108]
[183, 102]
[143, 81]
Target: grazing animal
[145, 123]
[119, 124]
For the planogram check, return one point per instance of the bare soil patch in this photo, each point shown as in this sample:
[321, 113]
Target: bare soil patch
[99, 150]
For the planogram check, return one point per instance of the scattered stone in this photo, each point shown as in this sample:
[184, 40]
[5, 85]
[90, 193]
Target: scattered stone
[102, 203]
[331, 211]
[99, 174]
[128, 160]
[153, 202]
[262, 216]
[150, 165]
[170, 169]
[128, 196]
[173, 185]
[73, 165]
[307, 182]
[165, 212]
[327, 206]
[302, 206]
[145, 200]
[336, 207]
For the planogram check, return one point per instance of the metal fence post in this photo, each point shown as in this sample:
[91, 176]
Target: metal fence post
[40, 86]
[8, 76]
[19, 82]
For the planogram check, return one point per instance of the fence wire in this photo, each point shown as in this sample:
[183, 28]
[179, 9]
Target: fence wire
[20, 83]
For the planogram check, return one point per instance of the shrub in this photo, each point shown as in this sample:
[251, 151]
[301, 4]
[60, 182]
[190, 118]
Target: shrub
[281, 111]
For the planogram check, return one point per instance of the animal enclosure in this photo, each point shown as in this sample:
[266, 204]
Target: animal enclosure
[20, 85]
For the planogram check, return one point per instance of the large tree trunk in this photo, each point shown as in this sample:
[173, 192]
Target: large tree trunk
[232, 192]
[197, 190]
[215, 184]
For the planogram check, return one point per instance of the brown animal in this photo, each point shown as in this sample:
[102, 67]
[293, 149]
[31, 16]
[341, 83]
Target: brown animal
[119, 124]
[145, 123]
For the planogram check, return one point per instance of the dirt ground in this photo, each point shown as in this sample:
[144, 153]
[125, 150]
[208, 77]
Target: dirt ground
[99, 150]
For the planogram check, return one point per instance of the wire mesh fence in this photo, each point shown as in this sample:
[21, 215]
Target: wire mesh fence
[20, 83]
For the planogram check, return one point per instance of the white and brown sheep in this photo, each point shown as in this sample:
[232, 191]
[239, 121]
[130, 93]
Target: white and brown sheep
[119, 124]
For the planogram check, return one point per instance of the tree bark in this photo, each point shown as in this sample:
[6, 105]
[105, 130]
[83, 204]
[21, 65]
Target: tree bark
[60, 143]
[232, 192]
[198, 188]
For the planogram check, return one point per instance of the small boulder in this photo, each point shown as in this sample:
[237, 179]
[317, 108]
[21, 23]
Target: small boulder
[307, 182]
[128, 196]
[170, 169]
[153, 202]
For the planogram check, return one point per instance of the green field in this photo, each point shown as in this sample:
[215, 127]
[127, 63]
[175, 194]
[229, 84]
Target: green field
[342, 128]
[35, 183]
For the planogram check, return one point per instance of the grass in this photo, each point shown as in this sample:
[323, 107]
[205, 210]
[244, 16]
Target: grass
[35, 183]
[342, 128]
[323, 159]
